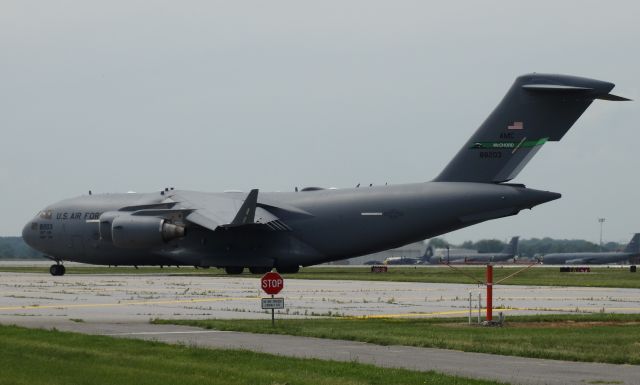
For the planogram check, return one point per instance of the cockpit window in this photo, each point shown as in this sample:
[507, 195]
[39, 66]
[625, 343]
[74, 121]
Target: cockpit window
[46, 214]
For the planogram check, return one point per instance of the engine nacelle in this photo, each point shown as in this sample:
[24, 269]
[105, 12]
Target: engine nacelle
[134, 232]
[106, 220]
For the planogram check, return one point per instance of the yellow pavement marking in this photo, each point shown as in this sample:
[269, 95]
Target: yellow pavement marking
[128, 303]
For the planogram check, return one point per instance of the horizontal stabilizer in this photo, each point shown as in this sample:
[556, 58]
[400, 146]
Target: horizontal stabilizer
[613, 98]
[558, 88]
[555, 88]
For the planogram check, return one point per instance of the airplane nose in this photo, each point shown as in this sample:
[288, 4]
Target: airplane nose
[28, 234]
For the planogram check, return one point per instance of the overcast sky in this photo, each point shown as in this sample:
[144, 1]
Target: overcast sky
[138, 95]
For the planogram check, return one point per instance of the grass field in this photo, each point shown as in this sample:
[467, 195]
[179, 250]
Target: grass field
[545, 276]
[611, 338]
[31, 356]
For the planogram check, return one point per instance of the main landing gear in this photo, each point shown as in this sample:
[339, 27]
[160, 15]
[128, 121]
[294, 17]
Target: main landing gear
[57, 269]
[234, 270]
[259, 270]
[288, 269]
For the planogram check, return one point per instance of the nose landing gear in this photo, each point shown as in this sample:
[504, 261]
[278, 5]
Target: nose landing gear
[57, 269]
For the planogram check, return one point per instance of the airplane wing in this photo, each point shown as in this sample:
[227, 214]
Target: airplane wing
[213, 211]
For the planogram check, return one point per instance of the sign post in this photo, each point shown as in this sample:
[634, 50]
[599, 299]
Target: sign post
[489, 292]
[272, 283]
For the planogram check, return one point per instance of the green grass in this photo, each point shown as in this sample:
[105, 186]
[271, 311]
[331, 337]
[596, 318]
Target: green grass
[612, 338]
[545, 276]
[32, 356]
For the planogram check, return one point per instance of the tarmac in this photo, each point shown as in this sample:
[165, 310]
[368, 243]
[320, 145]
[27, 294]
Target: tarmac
[122, 305]
[134, 298]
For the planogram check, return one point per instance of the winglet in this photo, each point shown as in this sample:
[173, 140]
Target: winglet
[247, 212]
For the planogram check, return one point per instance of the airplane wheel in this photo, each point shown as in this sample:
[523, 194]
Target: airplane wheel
[57, 270]
[259, 269]
[291, 269]
[234, 270]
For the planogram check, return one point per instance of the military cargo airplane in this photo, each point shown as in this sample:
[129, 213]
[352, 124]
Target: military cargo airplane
[286, 230]
[632, 250]
[509, 251]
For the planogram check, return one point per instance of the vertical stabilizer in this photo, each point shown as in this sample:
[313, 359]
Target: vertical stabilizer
[536, 109]
[634, 244]
[511, 247]
[428, 253]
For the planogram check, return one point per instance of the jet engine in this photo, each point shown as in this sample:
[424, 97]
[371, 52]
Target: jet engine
[135, 232]
[105, 225]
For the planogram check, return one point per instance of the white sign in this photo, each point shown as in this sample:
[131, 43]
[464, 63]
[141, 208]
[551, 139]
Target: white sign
[273, 303]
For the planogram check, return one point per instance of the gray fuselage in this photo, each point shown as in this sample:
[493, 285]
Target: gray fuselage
[587, 258]
[323, 225]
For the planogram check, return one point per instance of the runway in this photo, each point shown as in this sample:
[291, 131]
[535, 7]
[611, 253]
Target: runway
[133, 298]
[122, 305]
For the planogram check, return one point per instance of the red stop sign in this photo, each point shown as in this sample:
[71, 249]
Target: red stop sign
[272, 283]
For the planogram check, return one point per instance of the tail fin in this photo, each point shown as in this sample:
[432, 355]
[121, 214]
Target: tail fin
[511, 247]
[428, 253]
[538, 108]
[634, 244]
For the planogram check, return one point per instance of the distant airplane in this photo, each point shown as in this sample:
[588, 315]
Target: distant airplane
[284, 230]
[401, 261]
[632, 250]
[509, 251]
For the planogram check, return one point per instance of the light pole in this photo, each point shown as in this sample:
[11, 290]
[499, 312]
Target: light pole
[601, 221]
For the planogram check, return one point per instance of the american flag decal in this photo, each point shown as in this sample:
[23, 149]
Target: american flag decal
[516, 126]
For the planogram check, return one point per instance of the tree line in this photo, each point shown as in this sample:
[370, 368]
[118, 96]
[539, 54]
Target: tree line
[15, 248]
[531, 247]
